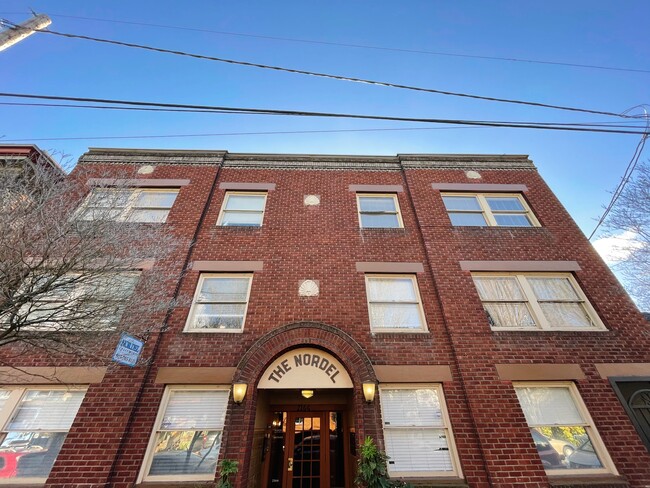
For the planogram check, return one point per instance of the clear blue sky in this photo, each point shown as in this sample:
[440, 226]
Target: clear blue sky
[580, 168]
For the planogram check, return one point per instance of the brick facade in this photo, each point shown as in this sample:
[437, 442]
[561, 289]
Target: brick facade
[107, 443]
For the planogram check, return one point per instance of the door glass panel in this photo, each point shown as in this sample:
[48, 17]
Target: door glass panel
[307, 452]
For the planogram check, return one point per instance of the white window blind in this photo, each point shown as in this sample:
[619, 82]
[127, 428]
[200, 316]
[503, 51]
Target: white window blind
[195, 410]
[220, 302]
[417, 439]
[379, 211]
[4, 396]
[243, 209]
[46, 410]
[394, 303]
[549, 406]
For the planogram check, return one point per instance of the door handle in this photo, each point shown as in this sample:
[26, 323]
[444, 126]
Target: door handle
[290, 464]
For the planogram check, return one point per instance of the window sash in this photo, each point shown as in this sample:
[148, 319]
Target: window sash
[242, 216]
[569, 314]
[379, 218]
[227, 315]
[493, 217]
[186, 440]
[416, 415]
[554, 408]
[125, 209]
[379, 308]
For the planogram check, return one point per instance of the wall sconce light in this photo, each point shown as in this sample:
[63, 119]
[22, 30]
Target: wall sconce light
[307, 393]
[239, 392]
[369, 392]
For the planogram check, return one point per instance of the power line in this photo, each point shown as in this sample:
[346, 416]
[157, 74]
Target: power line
[257, 111]
[625, 123]
[262, 133]
[335, 77]
[356, 46]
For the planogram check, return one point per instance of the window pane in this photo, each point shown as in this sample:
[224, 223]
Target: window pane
[512, 220]
[552, 288]
[467, 219]
[253, 219]
[565, 447]
[461, 203]
[224, 290]
[501, 288]
[219, 316]
[54, 409]
[33, 452]
[185, 452]
[417, 450]
[377, 204]
[395, 315]
[389, 221]
[99, 213]
[195, 410]
[411, 408]
[509, 315]
[566, 315]
[109, 198]
[505, 204]
[148, 215]
[245, 202]
[548, 406]
[391, 290]
[163, 199]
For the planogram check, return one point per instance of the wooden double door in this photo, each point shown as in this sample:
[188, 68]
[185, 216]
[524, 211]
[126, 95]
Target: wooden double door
[306, 450]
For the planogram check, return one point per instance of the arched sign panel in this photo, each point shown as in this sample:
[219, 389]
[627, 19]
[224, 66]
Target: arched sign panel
[305, 367]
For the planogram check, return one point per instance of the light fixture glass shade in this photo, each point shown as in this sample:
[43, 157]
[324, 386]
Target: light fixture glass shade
[369, 391]
[239, 392]
[307, 393]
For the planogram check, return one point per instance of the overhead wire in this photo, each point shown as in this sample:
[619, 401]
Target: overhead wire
[297, 113]
[349, 45]
[332, 76]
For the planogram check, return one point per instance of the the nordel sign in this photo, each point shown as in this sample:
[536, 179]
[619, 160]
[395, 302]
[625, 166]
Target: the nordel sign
[305, 368]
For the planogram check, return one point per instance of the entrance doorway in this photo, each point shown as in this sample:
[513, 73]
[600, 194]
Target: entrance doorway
[306, 449]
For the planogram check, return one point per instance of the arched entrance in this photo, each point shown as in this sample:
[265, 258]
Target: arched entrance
[306, 407]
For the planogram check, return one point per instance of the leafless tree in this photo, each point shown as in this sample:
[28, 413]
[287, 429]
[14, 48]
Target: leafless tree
[630, 217]
[70, 276]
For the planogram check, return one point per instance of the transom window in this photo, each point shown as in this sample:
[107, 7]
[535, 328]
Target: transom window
[562, 430]
[488, 209]
[417, 431]
[535, 301]
[242, 209]
[378, 211]
[35, 423]
[131, 205]
[394, 303]
[187, 438]
[220, 303]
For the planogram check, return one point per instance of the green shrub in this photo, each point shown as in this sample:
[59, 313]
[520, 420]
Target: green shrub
[226, 468]
[372, 470]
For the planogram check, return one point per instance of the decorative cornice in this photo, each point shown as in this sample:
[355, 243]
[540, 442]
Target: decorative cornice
[309, 161]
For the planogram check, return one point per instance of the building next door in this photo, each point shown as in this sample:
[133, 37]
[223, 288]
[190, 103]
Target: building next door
[306, 450]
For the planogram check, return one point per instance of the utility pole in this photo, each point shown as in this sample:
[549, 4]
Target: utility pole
[17, 33]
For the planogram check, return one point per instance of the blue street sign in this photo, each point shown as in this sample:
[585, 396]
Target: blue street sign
[128, 350]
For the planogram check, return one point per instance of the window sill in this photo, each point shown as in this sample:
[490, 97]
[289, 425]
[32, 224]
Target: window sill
[383, 230]
[538, 330]
[243, 228]
[587, 480]
[441, 482]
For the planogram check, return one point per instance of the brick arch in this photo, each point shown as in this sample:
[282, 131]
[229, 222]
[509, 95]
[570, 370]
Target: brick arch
[300, 334]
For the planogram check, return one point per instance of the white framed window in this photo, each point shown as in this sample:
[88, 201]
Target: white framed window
[379, 211]
[489, 209]
[34, 423]
[242, 209]
[130, 204]
[74, 299]
[529, 301]
[417, 431]
[394, 303]
[220, 303]
[187, 435]
[563, 432]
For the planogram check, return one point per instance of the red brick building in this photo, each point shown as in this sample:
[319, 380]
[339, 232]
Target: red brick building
[445, 305]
